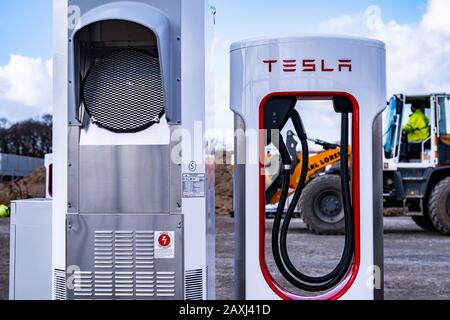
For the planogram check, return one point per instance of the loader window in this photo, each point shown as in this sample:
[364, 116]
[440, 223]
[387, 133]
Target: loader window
[407, 110]
[415, 142]
[391, 127]
[444, 119]
[443, 104]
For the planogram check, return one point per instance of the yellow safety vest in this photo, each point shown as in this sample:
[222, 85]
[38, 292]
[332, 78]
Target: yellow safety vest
[417, 127]
[4, 211]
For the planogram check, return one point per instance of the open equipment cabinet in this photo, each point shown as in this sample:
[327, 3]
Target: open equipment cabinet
[130, 219]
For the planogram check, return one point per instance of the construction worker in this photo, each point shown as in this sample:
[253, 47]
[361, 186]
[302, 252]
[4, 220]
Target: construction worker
[417, 129]
[4, 211]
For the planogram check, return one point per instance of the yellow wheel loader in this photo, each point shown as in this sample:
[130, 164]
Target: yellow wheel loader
[416, 175]
[321, 203]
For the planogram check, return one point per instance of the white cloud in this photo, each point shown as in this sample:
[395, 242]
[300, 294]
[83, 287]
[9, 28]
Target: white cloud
[27, 81]
[418, 54]
[437, 15]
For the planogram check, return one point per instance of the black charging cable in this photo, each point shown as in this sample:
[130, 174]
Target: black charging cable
[279, 233]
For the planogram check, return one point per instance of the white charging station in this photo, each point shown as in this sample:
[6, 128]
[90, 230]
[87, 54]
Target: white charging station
[132, 218]
[266, 75]
[132, 192]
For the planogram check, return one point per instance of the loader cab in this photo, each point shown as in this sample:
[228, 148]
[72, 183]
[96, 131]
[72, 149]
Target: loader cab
[443, 128]
[401, 153]
[417, 182]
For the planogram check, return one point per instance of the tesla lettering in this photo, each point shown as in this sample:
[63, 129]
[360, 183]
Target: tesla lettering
[309, 65]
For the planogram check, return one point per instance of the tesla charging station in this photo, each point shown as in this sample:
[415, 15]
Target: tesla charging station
[270, 81]
[132, 220]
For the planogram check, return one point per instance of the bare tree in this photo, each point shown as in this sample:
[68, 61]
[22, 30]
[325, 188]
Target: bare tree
[31, 138]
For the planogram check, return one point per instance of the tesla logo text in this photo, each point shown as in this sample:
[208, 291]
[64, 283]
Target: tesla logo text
[309, 65]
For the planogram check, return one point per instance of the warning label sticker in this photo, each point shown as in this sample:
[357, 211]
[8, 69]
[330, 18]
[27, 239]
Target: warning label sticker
[194, 185]
[164, 245]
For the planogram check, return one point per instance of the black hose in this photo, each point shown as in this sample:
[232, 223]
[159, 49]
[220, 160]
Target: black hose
[279, 246]
[286, 172]
[278, 219]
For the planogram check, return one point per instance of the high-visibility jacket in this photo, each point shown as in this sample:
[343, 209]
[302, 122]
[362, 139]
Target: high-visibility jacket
[4, 211]
[418, 127]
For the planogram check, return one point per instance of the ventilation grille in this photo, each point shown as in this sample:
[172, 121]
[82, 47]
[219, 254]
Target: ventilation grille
[207, 283]
[60, 284]
[124, 268]
[194, 285]
[123, 91]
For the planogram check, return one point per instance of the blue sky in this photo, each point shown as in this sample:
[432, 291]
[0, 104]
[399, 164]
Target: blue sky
[26, 30]
[26, 24]
[250, 18]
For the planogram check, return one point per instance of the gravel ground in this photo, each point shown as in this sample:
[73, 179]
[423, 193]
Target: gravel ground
[417, 263]
[4, 258]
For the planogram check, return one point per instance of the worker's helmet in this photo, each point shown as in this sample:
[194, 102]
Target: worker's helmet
[417, 105]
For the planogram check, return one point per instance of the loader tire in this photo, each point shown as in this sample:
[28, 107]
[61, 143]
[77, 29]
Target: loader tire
[321, 206]
[439, 206]
[424, 222]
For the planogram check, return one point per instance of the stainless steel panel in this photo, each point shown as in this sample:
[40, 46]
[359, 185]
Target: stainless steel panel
[113, 257]
[239, 209]
[73, 169]
[125, 179]
[378, 203]
[175, 178]
[211, 229]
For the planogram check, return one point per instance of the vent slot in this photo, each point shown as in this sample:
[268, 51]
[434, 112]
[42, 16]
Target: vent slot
[103, 284]
[145, 284]
[194, 285]
[83, 285]
[59, 284]
[165, 284]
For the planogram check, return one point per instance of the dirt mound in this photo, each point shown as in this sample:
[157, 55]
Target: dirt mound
[224, 189]
[29, 187]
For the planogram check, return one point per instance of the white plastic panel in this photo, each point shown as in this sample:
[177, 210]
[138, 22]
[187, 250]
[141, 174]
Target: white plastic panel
[31, 245]
[253, 78]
